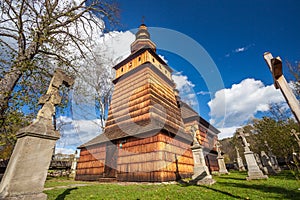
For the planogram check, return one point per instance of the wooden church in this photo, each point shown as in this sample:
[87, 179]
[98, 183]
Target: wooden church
[147, 135]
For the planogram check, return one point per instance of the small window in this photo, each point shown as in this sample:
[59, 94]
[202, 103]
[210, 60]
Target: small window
[122, 69]
[130, 64]
[153, 59]
[159, 66]
[139, 59]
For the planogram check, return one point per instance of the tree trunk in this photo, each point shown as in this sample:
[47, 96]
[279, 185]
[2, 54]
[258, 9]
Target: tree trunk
[7, 84]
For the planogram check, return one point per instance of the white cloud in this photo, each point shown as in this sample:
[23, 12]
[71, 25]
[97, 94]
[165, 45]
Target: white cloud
[76, 132]
[204, 93]
[186, 90]
[182, 81]
[64, 150]
[242, 101]
[240, 49]
[163, 58]
[227, 132]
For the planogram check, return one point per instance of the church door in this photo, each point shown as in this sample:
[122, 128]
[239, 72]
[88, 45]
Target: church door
[110, 169]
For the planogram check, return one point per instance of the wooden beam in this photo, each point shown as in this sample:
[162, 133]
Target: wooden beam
[275, 66]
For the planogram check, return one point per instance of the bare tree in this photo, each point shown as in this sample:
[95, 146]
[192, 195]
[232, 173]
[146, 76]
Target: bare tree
[36, 33]
[93, 87]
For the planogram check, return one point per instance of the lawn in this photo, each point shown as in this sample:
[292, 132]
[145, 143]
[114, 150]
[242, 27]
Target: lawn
[233, 186]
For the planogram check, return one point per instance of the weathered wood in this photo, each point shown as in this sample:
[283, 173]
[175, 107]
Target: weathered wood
[275, 66]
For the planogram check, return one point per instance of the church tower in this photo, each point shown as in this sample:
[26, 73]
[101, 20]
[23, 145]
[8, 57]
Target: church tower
[144, 137]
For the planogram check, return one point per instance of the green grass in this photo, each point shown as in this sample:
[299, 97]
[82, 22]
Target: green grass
[62, 181]
[233, 186]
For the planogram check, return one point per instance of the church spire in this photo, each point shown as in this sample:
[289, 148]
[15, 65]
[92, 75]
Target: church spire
[142, 40]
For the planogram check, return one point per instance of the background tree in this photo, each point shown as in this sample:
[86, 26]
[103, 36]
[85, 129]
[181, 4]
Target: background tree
[295, 71]
[36, 33]
[35, 38]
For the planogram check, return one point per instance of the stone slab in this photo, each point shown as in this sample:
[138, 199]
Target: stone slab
[27, 169]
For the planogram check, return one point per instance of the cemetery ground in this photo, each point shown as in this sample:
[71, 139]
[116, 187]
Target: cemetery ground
[233, 186]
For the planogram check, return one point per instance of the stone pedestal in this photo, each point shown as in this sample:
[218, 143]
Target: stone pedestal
[222, 166]
[201, 171]
[253, 170]
[27, 169]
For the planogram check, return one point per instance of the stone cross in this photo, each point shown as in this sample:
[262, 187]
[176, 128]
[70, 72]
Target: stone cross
[239, 160]
[267, 145]
[295, 134]
[201, 172]
[27, 169]
[218, 146]
[243, 135]
[253, 169]
[221, 163]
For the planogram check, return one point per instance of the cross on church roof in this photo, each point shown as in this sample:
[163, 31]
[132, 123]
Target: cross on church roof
[143, 19]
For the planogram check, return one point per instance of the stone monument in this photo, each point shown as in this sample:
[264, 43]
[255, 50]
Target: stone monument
[73, 166]
[253, 170]
[221, 163]
[259, 163]
[27, 169]
[267, 163]
[201, 173]
[273, 158]
[239, 160]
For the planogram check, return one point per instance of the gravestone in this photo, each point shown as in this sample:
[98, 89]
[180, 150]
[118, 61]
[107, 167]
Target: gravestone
[73, 166]
[201, 174]
[273, 158]
[221, 163]
[253, 170]
[267, 163]
[27, 169]
[259, 163]
[239, 161]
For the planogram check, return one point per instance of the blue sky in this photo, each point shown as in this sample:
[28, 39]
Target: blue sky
[235, 34]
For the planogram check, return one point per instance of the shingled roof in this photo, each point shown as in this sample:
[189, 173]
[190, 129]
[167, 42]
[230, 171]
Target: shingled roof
[189, 114]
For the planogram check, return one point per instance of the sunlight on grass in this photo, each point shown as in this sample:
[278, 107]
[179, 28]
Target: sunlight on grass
[233, 186]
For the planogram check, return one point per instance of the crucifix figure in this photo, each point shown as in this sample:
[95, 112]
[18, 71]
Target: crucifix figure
[194, 134]
[243, 135]
[44, 119]
[218, 146]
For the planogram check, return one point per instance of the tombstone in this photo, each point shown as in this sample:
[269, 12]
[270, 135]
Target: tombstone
[221, 163]
[259, 163]
[267, 163]
[27, 169]
[253, 170]
[239, 161]
[201, 172]
[73, 166]
[273, 158]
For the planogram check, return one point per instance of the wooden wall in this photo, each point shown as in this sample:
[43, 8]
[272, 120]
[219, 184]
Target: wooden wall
[90, 166]
[155, 159]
